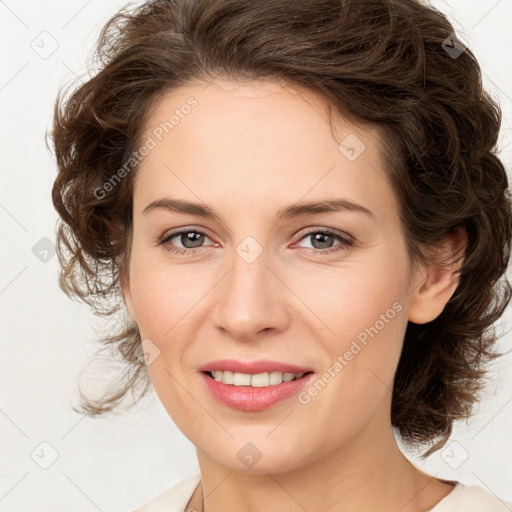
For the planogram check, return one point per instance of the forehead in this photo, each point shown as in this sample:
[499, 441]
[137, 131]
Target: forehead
[255, 143]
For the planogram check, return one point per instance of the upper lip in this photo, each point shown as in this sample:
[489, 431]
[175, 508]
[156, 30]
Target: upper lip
[252, 367]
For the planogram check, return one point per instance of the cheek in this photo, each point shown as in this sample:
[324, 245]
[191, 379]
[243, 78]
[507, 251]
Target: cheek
[359, 373]
[363, 317]
[162, 296]
[345, 302]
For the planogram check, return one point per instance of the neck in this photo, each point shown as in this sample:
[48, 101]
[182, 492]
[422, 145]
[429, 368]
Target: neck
[369, 472]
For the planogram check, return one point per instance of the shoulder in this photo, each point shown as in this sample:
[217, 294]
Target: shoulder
[471, 498]
[174, 499]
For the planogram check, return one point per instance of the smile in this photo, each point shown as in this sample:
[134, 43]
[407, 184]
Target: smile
[258, 380]
[244, 395]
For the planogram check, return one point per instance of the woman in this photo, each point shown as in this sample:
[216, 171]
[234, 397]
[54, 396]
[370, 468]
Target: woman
[300, 207]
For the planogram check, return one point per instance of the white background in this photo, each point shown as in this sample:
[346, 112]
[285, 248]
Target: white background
[118, 464]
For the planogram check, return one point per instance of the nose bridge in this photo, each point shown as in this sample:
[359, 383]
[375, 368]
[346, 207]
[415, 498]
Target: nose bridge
[252, 297]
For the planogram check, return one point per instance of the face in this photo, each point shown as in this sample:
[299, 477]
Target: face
[325, 291]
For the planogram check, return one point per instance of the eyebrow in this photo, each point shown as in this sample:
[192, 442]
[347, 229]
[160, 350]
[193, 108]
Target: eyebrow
[291, 211]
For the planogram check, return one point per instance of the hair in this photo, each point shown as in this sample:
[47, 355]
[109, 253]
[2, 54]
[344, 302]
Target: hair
[382, 62]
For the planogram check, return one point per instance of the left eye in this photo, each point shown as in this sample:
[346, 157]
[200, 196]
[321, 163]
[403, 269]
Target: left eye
[324, 239]
[192, 241]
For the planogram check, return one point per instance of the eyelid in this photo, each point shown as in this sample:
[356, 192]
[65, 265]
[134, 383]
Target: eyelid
[185, 229]
[324, 229]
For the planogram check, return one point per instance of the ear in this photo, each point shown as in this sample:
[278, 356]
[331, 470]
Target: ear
[127, 295]
[434, 285]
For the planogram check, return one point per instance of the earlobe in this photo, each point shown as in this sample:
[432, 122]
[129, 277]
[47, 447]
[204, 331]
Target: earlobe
[435, 285]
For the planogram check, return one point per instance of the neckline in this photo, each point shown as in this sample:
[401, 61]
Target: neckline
[453, 494]
[196, 500]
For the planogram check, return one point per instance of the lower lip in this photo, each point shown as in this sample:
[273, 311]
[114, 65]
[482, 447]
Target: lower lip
[248, 398]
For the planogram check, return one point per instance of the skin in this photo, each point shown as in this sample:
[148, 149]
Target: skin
[247, 150]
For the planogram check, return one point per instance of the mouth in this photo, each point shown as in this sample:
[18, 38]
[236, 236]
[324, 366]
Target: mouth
[253, 392]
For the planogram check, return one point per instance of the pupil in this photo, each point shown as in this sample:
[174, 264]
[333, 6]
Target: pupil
[192, 237]
[317, 237]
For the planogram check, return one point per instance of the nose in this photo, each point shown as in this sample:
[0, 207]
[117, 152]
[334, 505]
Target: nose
[252, 298]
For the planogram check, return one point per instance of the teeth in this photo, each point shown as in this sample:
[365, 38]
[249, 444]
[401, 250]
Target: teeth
[258, 380]
[241, 379]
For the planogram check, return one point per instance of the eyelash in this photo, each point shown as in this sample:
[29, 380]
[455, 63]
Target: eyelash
[344, 242]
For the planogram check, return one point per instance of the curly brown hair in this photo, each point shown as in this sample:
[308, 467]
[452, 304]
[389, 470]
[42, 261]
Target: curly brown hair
[390, 63]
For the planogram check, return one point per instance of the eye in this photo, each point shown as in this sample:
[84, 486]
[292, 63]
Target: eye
[322, 241]
[191, 240]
